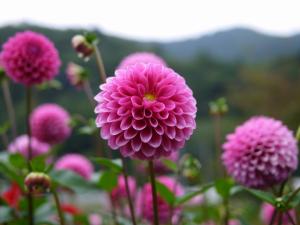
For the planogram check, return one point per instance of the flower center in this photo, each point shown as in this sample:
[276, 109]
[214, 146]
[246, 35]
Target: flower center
[150, 96]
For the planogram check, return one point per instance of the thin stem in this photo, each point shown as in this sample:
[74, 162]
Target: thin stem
[226, 216]
[292, 196]
[58, 207]
[290, 218]
[154, 194]
[174, 190]
[274, 215]
[128, 193]
[280, 218]
[89, 93]
[9, 107]
[29, 156]
[100, 64]
[217, 133]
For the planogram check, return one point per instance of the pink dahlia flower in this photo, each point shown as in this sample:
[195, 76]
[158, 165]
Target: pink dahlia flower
[30, 58]
[119, 192]
[95, 219]
[50, 123]
[77, 163]
[141, 57]
[164, 209]
[147, 111]
[21, 144]
[262, 152]
[267, 211]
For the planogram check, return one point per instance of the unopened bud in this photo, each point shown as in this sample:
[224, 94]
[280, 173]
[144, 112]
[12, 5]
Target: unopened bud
[76, 74]
[82, 46]
[37, 183]
[218, 107]
[191, 168]
[298, 134]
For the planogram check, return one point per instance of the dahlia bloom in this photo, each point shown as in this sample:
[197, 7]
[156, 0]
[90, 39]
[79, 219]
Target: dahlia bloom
[76, 74]
[119, 192]
[76, 163]
[30, 58]
[21, 144]
[147, 111]
[50, 123]
[260, 153]
[267, 211]
[141, 57]
[164, 209]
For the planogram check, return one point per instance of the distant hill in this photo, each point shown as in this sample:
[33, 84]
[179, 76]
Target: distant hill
[231, 45]
[236, 44]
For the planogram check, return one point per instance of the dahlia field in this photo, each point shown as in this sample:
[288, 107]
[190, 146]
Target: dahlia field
[143, 116]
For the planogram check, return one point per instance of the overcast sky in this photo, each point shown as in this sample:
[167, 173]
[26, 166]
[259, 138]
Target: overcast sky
[157, 19]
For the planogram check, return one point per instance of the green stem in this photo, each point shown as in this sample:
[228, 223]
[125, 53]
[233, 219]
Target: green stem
[290, 218]
[29, 156]
[128, 193]
[89, 93]
[154, 194]
[58, 207]
[217, 133]
[100, 64]
[280, 218]
[292, 196]
[274, 215]
[9, 107]
[226, 216]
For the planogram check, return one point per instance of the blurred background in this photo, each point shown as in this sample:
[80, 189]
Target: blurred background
[245, 51]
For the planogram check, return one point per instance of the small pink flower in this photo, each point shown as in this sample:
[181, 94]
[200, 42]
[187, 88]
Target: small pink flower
[76, 75]
[164, 209]
[262, 152]
[77, 163]
[21, 144]
[30, 58]
[147, 111]
[50, 123]
[95, 219]
[119, 193]
[141, 57]
[267, 211]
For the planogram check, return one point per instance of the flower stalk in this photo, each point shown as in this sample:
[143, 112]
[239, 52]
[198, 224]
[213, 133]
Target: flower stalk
[154, 193]
[58, 207]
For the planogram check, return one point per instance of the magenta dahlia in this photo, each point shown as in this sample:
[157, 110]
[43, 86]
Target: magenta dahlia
[147, 111]
[50, 123]
[119, 193]
[76, 163]
[267, 211]
[141, 57]
[30, 58]
[260, 153]
[21, 144]
[164, 209]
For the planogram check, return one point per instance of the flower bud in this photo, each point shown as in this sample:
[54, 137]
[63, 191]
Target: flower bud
[218, 107]
[76, 74]
[298, 134]
[190, 168]
[37, 183]
[82, 46]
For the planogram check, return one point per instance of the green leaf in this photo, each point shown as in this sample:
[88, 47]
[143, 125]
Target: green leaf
[223, 187]
[188, 196]
[17, 160]
[38, 164]
[170, 164]
[108, 180]
[262, 195]
[165, 193]
[71, 180]
[114, 164]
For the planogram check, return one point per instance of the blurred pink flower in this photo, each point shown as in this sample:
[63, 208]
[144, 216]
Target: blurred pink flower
[95, 219]
[21, 144]
[141, 57]
[50, 123]
[77, 163]
[76, 74]
[30, 58]
[147, 111]
[164, 209]
[267, 211]
[262, 152]
[119, 193]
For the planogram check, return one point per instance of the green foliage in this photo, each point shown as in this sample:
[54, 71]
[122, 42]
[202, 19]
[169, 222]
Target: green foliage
[108, 180]
[262, 195]
[113, 164]
[165, 193]
[224, 186]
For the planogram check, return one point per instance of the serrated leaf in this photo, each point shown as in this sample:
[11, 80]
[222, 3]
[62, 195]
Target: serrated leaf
[188, 196]
[165, 193]
[262, 195]
[108, 180]
[114, 164]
